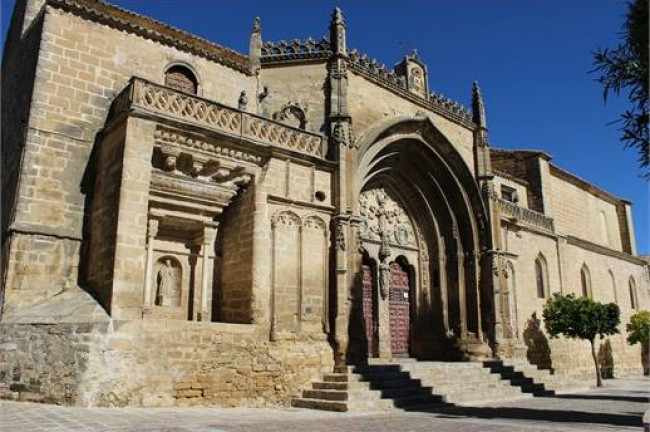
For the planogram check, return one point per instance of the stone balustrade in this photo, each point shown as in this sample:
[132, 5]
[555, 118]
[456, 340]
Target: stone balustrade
[524, 215]
[145, 95]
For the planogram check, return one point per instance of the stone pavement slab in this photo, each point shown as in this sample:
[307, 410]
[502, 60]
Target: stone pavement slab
[617, 407]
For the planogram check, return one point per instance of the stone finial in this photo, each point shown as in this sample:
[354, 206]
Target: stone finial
[337, 32]
[478, 107]
[337, 16]
[255, 46]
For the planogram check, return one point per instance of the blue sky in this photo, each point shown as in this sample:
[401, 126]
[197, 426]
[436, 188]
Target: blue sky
[532, 59]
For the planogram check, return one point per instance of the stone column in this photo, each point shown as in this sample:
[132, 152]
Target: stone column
[152, 232]
[208, 236]
[462, 291]
[383, 309]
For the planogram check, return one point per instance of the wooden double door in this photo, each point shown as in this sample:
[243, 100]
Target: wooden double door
[399, 310]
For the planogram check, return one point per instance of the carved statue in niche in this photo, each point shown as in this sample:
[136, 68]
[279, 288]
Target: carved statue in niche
[292, 114]
[168, 284]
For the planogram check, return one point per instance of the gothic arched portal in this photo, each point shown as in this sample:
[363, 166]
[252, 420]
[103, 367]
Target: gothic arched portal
[418, 199]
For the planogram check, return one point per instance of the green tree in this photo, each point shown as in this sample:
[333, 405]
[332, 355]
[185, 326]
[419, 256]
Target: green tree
[581, 318]
[638, 331]
[625, 67]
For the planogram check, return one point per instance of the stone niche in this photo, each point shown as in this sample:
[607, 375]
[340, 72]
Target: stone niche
[177, 254]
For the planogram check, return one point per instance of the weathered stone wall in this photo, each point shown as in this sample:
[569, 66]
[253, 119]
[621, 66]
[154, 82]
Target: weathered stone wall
[18, 72]
[370, 104]
[39, 267]
[305, 88]
[82, 66]
[235, 272]
[103, 217]
[580, 213]
[567, 356]
[152, 363]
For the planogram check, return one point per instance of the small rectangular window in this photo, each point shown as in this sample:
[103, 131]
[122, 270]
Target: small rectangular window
[509, 194]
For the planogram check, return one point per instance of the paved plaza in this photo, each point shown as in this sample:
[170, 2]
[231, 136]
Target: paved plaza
[618, 406]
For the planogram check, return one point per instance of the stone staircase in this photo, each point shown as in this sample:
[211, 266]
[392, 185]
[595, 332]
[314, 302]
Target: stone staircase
[368, 388]
[411, 385]
[539, 382]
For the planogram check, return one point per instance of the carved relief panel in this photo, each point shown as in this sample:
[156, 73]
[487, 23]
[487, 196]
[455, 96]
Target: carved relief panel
[382, 216]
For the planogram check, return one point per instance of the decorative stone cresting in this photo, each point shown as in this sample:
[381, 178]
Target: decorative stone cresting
[296, 50]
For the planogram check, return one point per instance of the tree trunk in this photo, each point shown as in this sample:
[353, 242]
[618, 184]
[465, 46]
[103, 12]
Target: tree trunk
[599, 381]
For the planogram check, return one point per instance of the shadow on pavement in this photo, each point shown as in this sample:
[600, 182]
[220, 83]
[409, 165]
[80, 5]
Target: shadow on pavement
[638, 399]
[554, 416]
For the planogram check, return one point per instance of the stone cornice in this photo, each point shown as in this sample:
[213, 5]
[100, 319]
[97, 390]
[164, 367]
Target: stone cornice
[149, 28]
[584, 244]
[510, 177]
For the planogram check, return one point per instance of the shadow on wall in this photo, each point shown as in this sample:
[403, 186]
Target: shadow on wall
[357, 349]
[645, 357]
[538, 351]
[606, 359]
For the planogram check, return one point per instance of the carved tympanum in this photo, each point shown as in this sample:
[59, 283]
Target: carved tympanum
[383, 219]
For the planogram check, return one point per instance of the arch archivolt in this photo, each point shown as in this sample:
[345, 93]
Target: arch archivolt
[417, 198]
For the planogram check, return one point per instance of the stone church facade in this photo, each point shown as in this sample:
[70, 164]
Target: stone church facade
[184, 224]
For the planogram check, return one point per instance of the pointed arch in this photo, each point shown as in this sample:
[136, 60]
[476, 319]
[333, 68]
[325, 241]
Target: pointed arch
[633, 298]
[541, 276]
[585, 281]
[613, 284]
[412, 156]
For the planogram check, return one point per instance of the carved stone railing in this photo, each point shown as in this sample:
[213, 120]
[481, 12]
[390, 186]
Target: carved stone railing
[526, 216]
[154, 98]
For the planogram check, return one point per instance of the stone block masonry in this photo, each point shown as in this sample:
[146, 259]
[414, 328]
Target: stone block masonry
[152, 363]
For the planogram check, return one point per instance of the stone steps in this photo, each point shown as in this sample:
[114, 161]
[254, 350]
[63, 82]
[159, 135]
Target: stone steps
[407, 385]
[530, 379]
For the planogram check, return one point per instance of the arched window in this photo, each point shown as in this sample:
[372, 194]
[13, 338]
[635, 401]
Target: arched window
[182, 79]
[585, 281]
[613, 279]
[541, 276]
[633, 302]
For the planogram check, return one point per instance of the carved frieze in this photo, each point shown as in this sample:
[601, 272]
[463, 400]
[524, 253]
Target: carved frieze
[170, 138]
[384, 219]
